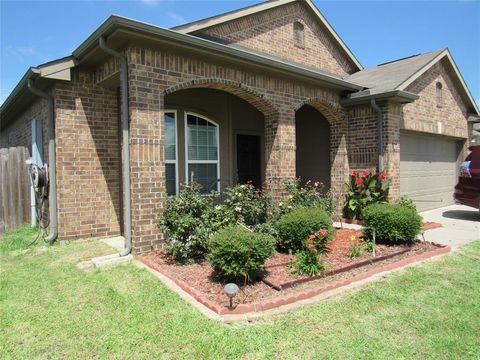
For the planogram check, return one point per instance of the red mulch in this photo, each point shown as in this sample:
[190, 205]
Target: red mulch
[200, 275]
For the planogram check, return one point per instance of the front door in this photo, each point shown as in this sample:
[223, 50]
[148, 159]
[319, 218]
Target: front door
[249, 160]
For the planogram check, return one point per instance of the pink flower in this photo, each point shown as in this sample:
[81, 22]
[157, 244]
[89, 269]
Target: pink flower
[359, 181]
[382, 175]
[365, 173]
[355, 173]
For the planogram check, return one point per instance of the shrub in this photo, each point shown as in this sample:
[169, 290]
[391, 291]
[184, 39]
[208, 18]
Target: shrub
[236, 252]
[188, 220]
[248, 203]
[297, 226]
[312, 194]
[365, 189]
[405, 201]
[392, 223]
[308, 263]
[267, 228]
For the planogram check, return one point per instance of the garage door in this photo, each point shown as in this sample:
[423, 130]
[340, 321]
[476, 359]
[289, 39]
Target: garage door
[428, 170]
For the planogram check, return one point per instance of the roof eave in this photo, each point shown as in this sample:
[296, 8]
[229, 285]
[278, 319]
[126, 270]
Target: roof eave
[394, 95]
[115, 22]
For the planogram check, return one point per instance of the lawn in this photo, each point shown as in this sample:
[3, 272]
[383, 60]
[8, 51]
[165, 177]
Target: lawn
[50, 309]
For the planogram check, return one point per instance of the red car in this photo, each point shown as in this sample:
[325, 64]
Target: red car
[467, 190]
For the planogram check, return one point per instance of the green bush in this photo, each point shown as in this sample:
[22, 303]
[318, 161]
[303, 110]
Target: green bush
[312, 194]
[391, 223]
[405, 201]
[308, 263]
[297, 226]
[189, 219]
[249, 204]
[235, 252]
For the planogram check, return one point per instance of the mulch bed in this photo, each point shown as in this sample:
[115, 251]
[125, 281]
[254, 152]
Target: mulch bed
[278, 273]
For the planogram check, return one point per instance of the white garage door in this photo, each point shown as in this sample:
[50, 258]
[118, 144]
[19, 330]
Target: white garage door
[428, 170]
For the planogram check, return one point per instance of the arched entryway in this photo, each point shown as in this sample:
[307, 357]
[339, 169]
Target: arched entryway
[312, 132]
[214, 137]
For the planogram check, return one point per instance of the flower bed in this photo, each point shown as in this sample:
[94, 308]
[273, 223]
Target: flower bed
[200, 281]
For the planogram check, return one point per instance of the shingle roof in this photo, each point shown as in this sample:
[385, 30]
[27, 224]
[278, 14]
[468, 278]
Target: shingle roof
[389, 76]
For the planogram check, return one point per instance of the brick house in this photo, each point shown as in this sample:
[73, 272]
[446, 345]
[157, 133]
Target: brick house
[264, 93]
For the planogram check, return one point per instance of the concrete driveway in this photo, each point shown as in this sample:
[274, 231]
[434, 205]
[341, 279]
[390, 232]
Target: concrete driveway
[461, 225]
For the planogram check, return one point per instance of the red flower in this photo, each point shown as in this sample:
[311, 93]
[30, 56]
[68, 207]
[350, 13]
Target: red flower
[382, 175]
[355, 173]
[365, 173]
[359, 181]
[323, 232]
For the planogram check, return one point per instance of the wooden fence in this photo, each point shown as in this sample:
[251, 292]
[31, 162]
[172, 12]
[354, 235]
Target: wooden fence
[14, 188]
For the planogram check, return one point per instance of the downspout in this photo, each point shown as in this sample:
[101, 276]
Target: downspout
[378, 111]
[127, 210]
[52, 169]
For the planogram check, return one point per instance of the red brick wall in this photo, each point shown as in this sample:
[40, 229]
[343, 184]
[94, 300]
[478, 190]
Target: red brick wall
[423, 114]
[88, 158]
[153, 73]
[271, 32]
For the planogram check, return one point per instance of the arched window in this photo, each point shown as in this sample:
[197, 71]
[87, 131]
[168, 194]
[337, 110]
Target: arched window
[298, 34]
[202, 152]
[439, 94]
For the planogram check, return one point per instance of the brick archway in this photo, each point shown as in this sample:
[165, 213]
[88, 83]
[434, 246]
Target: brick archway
[339, 168]
[244, 92]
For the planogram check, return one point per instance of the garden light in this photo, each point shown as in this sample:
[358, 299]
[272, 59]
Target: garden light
[231, 290]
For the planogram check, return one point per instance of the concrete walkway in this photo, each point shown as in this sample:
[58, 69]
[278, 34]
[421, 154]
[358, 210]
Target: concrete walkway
[461, 225]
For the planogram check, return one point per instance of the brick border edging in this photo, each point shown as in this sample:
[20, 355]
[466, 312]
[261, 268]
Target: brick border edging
[243, 309]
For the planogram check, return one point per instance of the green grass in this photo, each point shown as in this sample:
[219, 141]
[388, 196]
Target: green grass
[50, 309]
[19, 239]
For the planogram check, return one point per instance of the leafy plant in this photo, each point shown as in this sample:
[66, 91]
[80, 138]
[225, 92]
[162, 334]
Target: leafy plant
[369, 246]
[365, 189]
[297, 226]
[236, 252]
[249, 204]
[355, 250]
[391, 223]
[266, 228]
[308, 263]
[405, 201]
[312, 194]
[185, 222]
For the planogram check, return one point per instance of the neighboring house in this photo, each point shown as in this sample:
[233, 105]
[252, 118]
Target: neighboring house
[264, 93]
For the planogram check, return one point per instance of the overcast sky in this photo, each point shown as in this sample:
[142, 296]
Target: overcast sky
[34, 32]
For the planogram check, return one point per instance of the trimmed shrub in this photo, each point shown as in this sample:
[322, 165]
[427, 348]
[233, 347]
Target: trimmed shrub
[297, 226]
[235, 252]
[392, 223]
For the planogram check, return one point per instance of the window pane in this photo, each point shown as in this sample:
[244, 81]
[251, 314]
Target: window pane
[170, 179]
[170, 145]
[205, 175]
[202, 137]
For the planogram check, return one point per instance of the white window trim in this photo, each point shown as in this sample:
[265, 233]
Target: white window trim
[177, 182]
[188, 161]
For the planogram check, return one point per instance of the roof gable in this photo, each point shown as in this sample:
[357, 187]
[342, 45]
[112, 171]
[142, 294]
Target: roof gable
[398, 75]
[203, 24]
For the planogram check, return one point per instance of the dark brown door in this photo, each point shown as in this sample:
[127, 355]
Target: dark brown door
[249, 159]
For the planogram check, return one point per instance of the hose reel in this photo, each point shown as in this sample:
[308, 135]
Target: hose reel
[40, 182]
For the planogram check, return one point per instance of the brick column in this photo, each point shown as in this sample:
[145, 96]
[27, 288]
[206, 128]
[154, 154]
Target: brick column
[392, 114]
[279, 151]
[146, 158]
[339, 170]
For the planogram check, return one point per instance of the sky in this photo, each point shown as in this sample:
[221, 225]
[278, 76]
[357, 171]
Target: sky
[34, 32]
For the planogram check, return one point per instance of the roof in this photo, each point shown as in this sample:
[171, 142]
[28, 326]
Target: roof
[253, 9]
[396, 76]
[389, 76]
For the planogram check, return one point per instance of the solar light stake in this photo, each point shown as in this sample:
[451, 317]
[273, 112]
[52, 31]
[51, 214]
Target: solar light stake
[374, 243]
[231, 290]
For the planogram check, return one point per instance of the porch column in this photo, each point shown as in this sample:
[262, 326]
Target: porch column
[146, 159]
[339, 166]
[391, 146]
[279, 151]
